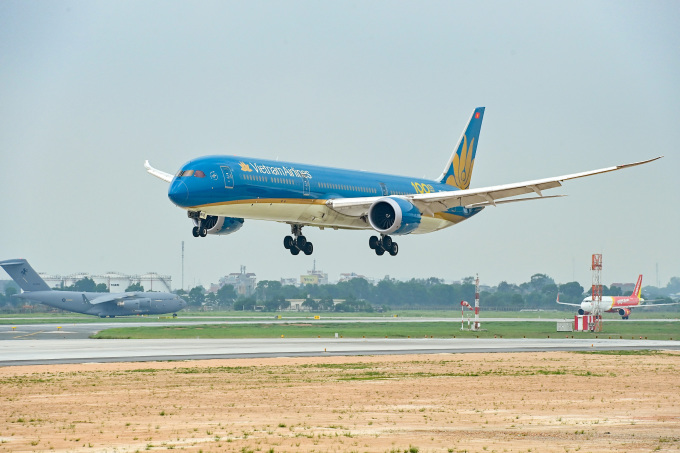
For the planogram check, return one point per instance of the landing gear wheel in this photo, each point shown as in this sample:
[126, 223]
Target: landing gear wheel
[394, 249]
[379, 251]
[288, 242]
[203, 232]
[194, 231]
[309, 248]
[373, 242]
[387, 242]
[296, 242]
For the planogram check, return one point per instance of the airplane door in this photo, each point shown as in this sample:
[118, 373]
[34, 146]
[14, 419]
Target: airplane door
[305, 186]
[383, 187]
[228, 177]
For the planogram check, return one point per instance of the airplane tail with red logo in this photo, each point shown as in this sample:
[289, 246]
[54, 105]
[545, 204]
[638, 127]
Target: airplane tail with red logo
[637, 291]
[458, 170]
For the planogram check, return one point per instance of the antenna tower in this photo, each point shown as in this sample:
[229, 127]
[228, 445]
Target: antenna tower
[596, 267]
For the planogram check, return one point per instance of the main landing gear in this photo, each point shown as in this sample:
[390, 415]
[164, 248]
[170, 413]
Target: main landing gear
[383, 244]
[297, 243]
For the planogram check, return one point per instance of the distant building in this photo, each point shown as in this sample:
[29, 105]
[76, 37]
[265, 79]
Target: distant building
[243, 283]
[314, 277]
[296, 304]
[625, 287]
[115, 282]
[352, 275]
[289, 282]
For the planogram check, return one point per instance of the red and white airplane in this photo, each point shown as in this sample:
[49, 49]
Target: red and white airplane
[615, 304]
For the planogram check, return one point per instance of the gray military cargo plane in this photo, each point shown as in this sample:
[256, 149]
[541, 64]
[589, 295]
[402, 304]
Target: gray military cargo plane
[97, 304]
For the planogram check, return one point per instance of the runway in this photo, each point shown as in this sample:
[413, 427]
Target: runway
[39, 352]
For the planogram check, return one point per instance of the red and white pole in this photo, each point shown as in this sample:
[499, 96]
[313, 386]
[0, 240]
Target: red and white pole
[477, 323]
[463, 304]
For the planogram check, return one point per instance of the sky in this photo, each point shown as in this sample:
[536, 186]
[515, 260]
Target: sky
[91, 89]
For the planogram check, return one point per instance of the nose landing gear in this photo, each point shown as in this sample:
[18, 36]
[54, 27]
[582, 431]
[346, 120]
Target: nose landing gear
[297, 243]
[383, 244]
[200, 219]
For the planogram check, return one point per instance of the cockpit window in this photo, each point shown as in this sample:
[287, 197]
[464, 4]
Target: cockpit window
[182, 173]
[199, 174]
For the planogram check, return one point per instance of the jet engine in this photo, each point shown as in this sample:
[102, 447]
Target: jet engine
[581, 311]
[624, 312]
[391, 215]
[220, 225]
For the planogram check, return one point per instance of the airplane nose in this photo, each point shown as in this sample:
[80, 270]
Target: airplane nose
[178, 192]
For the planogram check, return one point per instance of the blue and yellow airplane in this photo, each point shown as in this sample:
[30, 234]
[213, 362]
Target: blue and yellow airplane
[219, 192]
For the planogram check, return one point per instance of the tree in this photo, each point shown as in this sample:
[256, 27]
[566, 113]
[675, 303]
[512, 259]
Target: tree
[134, 287]
[86, 284]
[226, 295]
[310, 304]
[196, 296]
[101, 288]
[571, 292]
[244, 303]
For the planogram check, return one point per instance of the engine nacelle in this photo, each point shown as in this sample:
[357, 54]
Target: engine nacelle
[581, 311]
[221, 225]
[624, 312]
[391, 215]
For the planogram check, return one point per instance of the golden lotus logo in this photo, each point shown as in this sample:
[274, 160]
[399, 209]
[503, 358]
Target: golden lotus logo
[244, 166]
[462, 166]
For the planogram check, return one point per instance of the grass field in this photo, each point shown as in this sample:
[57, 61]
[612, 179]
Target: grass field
[76, 318]
[378, 329]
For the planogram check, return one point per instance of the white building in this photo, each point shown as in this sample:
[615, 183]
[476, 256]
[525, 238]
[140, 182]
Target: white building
[243, 283]
[116, 282]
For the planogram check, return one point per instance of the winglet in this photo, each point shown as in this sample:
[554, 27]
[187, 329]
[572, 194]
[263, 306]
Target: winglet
[167, 177]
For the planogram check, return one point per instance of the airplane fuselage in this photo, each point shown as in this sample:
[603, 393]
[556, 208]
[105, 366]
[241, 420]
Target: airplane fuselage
[233, 186]
[611, 304]
[79, 302]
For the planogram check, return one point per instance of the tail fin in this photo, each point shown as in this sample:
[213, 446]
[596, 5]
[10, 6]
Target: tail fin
[458, 170]
[24, 275]
[637, 291]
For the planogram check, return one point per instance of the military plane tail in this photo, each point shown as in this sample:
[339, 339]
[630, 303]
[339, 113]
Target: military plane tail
[24, 275]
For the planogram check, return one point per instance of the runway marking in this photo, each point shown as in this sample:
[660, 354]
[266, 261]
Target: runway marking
[28, 335]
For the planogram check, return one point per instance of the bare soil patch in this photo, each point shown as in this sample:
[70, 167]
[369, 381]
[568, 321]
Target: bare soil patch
[518, 402]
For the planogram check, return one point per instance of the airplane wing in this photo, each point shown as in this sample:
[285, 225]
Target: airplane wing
[112, 297]
[167, 177]
[429, 203]
[645, 305]
[566, 303]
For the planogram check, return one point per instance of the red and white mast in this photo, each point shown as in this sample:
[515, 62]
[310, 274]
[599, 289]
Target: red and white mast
[463, 304]
[477, 323]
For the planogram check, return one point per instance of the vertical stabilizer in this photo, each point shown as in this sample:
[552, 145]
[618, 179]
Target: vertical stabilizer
[458, 170]
[637, 291]
[24, 275]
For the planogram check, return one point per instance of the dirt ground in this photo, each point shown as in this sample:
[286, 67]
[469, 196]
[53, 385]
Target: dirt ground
[517, 402]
